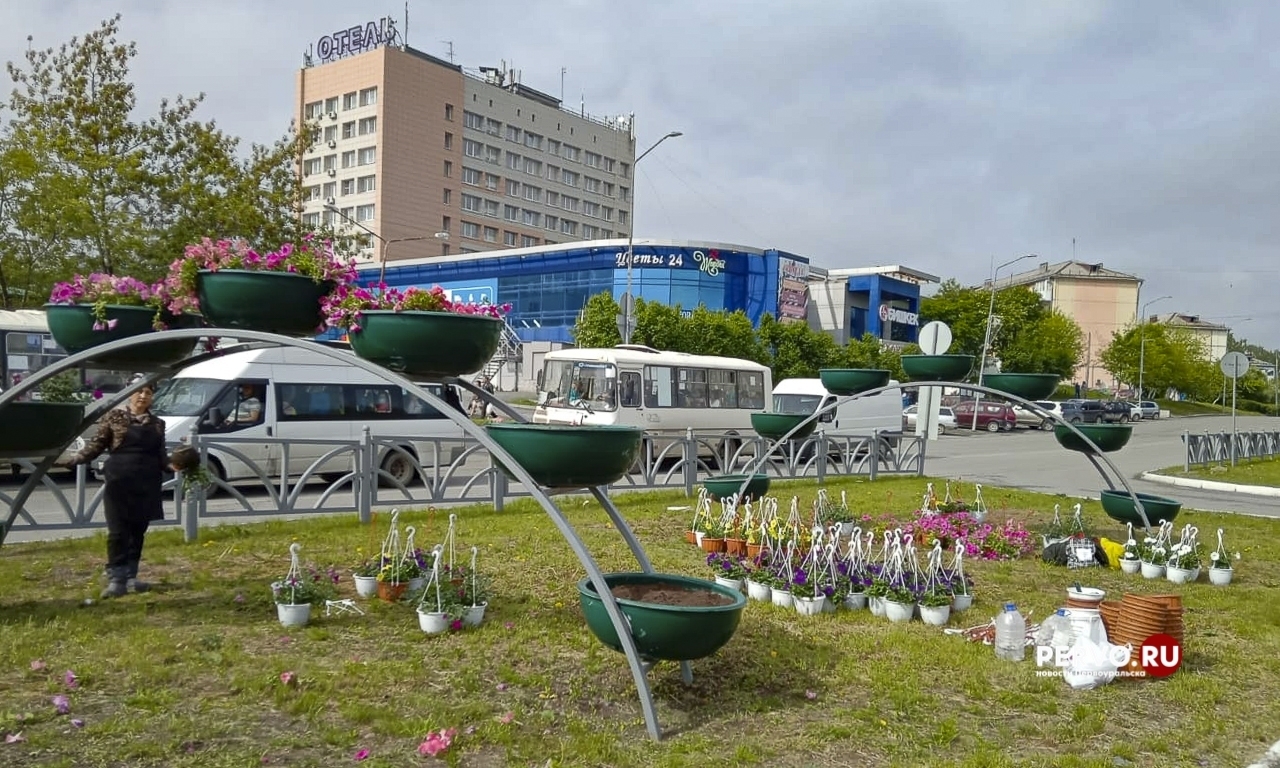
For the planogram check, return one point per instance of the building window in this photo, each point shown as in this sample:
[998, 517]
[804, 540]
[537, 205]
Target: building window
[532, 167]
[445, 223]
[448, 112]
[331, 133]
[492, 127]
[311, 193]
[589, 232]
[369, 97]
[311, 167]
[448, 196]
[348, 187]
[592, 160]
[551, 222]
[471, 230]
[448, 169]
[569, 178]
[472, 120]
[349, 100]
[311, 220]
[528, 241]
[331, 104]
[553, 173]
[513, 188]
[624, 194]
[513, 161]
[349, 159]
[491, 182]
[364, 213]
[509, 238]
[349, 129]
[590, 209]
[622, 217]
[532, 218]
[330, 162]
[553, 199]
[608, 189]
[366, 183]
[465, 249]
[532, 194]
[569, 203]
[511, 212]
[606, 213]
[313, 111]
[569, 152]
[471, 176]
[553, 147]
[491, 234]
[492, 155]
[367, 156]
[532, 140]
[471, 203]
[568, 227]
[591, 185]
[608, 164]
[448, 141]
[491, 208]
[367, 126]
[513, 134]
[330, 189]
[626, 171]
[444, 249]
[472, 148]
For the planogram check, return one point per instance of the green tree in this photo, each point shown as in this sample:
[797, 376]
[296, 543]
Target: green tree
[1170, 358]
[727, 334]
[597, 326]
[868, 352]
[797, 351]
[1049, 343]
[118, 193]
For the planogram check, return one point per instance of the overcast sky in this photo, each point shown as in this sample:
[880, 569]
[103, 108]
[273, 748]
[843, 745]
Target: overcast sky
[937, 135]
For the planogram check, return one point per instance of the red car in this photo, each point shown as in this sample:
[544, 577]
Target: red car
[992, 416]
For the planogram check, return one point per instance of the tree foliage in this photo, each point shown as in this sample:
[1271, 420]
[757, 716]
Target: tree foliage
[88, 185]
[1169, 358]
[1027, 337]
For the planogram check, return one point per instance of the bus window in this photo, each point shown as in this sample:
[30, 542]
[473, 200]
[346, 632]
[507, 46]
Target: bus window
[751, 391]
[722, 388]
[658, 392]
[569, 382]
[630, 389]
[693, 383]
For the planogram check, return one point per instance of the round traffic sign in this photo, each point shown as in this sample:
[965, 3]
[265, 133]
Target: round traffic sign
[1234, 365]
[935, 338]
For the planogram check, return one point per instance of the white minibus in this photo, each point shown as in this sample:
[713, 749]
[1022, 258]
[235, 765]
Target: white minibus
[861, 416]
[289, 393]
[666, 393]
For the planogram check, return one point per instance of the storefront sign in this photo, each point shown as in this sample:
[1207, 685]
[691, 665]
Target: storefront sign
[708, 263]
[793, 290]
[890, 314]
[357, 39]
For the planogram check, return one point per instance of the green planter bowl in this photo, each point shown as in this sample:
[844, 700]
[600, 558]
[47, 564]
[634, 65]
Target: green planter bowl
[563, 456]
[724, 486]
[427, 345]
[72, 327]
[1108, 437]
[937, 367]
[774, 425]
[664, 632]
[1028, 386]
[1119, 506]
[31, 429]
[271, 302]
[852, 381]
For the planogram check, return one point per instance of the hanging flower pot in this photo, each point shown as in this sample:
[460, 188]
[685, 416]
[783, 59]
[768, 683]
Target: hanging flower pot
[433, 623]
[877, 606]
[691, 537]
[735, 547]
[1152, 570]
[78, 327]
[781, 598]
[961, 603]
[734, 584]
[428, 345]
[293, 615]
[710, 544]
[758, 591]
[935, 615]
[416, 584]
[1178, 575]
[1221, 577]
[1130, 566]
[473, 615]
[259, 300]
[809, 606]
[855, 601]
[366, 586]
[391, 592]
[564, 456]
[754, 550]
[30, 428]
[899, 612]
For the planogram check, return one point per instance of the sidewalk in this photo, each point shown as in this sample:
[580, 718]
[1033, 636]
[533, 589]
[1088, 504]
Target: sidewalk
[1211, 485]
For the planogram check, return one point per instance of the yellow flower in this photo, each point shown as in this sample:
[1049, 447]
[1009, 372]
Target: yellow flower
[559, 604]
[774, 654]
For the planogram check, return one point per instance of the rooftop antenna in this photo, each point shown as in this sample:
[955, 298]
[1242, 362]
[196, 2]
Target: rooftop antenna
[584, 105]
[1073, 249]
[562, 71]
[450, 44]
[405, 38]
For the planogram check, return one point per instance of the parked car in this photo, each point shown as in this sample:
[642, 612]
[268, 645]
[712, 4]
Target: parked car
[1115, 412]
[946, 419]
[1150, 409]
[1082, 411]
[1036, 419]
[991, 416]
[1135, 412]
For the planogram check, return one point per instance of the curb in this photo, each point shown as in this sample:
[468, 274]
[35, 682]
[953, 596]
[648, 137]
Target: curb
[1210, 485]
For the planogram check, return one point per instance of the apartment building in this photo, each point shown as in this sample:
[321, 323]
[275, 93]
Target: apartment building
[1212, 336]
[437, 159]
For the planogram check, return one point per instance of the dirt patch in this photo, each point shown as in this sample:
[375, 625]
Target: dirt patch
[671, 594]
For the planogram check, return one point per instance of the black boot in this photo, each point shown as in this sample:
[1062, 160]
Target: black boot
[131, 579]
[116, 586]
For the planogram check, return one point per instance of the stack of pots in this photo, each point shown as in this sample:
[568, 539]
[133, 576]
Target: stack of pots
[1137, 617]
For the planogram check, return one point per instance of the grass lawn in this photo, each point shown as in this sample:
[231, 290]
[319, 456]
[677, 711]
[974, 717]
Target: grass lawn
[1188, 408]
[190, 674]
[1255, 472]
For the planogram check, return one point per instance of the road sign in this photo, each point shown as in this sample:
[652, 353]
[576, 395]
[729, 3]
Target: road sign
[1234, 364]
[628, 304]
[626, 326]
[935, 338]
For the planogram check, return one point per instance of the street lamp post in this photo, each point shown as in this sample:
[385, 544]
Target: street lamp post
[628, 310]
[1142, 342]
[986, 341]
[382, 274]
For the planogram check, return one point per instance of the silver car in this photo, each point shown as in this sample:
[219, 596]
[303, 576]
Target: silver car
[946, 419]
[1035, 419]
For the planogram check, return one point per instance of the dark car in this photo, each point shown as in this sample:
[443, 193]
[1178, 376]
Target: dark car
[1116, 412]
[992, 416]
[1082, 411]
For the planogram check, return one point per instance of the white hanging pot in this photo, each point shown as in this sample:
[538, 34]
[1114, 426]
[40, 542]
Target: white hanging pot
[474, 615]
[758, 591]
[935, 615]
[809, 606]
[876, 604]
[1221, 577]
[855, 601]
[961, 603]
[1131, 566]
[293, 615]
[1178, 575]
[734, 584]
[366, 586]
[417, 584]
[781, 598]
[828, 605]
[433, 623]
[899, 612]
[1152, 571]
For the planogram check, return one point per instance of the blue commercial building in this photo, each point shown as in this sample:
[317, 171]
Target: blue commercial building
[547, 286]
[882, 301]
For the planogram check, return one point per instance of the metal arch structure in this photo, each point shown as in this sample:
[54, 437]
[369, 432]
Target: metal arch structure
[640, 667]
[1094, 455]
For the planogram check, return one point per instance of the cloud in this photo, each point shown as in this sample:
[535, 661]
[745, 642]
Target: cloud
[930, 133]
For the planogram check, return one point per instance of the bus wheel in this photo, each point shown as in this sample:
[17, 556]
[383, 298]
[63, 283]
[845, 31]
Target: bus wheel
[401, 466]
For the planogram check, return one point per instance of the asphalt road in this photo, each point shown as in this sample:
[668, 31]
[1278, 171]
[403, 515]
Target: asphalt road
[1034, 461]
[1027, 459]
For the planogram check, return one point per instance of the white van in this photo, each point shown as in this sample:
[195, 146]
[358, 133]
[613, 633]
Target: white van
[289, 393]
[862, 416]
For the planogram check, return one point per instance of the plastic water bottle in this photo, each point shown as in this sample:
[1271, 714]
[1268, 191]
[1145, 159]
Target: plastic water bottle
[1011, 634]
[1055, 631]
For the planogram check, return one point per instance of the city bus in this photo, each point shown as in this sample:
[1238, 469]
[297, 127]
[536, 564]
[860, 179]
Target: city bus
[665, 393]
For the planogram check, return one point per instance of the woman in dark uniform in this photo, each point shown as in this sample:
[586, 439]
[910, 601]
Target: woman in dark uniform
[133, 473]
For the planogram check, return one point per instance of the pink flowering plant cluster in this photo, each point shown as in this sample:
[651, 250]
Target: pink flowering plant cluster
[102, 290]
[344, 307]
[982, 540]
[310, 258]
[311, 585]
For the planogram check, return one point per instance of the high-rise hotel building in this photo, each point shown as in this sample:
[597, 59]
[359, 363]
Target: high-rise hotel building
[412, 146]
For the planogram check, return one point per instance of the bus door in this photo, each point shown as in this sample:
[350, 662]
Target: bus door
[631, 389]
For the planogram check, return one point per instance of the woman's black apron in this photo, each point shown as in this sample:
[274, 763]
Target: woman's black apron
[133, 475]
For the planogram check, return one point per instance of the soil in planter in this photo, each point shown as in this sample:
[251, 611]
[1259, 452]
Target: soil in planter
[670, 594]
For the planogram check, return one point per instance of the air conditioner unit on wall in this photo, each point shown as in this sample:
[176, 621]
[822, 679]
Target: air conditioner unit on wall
[333, 115]
[329, 201]
[332, 172]
[333, 144]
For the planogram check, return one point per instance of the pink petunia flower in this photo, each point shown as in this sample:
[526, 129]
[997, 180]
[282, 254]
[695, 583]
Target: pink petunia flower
[37, 665]
[62, 704]
[287, 678]
[437, 742]
[69, 678]
[361, 755]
